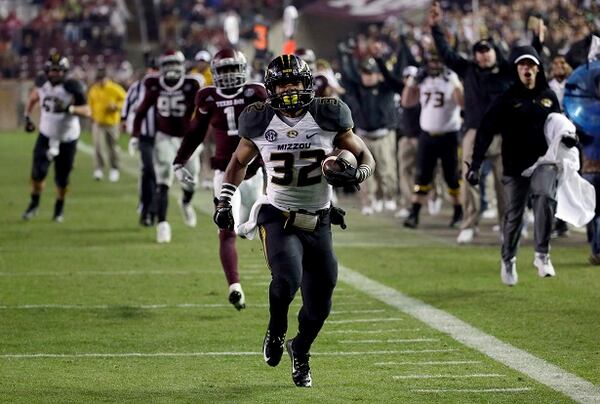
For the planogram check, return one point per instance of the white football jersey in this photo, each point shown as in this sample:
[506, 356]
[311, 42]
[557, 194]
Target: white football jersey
[292, 157]
[439, 112]
[62, 126]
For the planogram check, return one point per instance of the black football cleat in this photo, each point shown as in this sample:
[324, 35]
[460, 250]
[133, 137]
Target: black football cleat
[30, 212]
[457, 216]
[412, 221]
[300, 367]
[273, 348]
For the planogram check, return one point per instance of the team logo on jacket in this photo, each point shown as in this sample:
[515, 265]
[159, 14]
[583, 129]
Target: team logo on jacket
[292, 133]
[249, 92]
[271, 135]
[546, 102]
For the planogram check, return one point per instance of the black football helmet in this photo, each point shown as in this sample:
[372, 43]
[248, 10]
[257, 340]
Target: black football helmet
[172, 66]
[288, 69]
[56, 67]
[229, 69]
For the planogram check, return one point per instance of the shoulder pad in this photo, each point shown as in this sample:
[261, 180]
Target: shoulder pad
[331, 114]
[151, 81]
[255, 90]
[40, 80]
[74, 86]
[196, 79]
[205, 95]
[254, 120]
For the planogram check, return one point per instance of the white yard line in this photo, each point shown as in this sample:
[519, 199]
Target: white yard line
[386, 341]
[117, 306]
[41, 355]
[426, 363]
[396, 330]
[498, 390]
[538, 369]
[476, 375]
[108, 273]
[364, 320]
[357, 311]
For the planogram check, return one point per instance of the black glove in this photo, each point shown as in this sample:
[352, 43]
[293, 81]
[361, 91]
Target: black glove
[342, 178]
[472, 175]
[336, 216]
[60, 107]
[569, 141]
[223, 216]
[29, 125]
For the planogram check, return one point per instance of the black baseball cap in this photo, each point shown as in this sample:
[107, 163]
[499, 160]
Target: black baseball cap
[483, 45]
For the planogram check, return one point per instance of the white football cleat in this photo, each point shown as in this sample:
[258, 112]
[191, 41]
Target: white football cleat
[367, 210]
[113, 175]
[466, 236]
[378, 206]
[508, 272]
[236, 296]
[544, 265]
[390, 205]
[188, 213]
[402, 213]
[163, 232]
[98, 174]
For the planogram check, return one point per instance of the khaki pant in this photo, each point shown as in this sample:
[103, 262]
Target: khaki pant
[470, 197]
[382, 184]
[407, 166]
[110, 135]
[165, 150]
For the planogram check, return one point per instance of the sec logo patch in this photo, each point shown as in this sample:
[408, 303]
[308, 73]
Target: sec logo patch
[271, 135]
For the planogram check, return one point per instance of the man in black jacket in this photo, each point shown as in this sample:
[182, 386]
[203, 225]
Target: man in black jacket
[519, 116]
[485, 78]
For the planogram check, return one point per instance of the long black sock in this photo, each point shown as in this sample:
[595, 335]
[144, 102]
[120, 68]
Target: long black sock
[59, 206]
[34, 202]
[187, 196]
[415, 209]
[162, 202]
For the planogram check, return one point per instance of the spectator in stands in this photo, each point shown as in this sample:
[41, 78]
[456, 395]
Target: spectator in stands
[106, 99]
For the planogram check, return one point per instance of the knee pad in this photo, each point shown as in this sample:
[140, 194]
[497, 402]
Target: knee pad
[422, 189]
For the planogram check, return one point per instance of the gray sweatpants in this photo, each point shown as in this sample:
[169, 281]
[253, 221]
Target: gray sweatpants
[541, 187]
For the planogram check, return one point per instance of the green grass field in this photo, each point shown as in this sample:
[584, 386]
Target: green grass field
[93, 310]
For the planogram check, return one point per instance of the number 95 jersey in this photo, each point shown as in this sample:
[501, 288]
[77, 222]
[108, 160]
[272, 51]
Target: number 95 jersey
[293, 149]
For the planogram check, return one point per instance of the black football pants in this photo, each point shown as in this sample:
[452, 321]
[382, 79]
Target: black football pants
[298, 259]
[148, 178]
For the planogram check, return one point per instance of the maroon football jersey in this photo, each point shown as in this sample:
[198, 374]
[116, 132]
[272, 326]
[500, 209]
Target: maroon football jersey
[223, 111]
[174, 106]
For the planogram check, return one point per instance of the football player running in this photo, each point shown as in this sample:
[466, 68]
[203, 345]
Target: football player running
[220, 107]
[293, 132]
[172, 94]
[62, 102]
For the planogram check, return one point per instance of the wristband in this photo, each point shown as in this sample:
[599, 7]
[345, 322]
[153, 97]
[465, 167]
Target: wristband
[363, 172]
[70, 109]
[227, 191]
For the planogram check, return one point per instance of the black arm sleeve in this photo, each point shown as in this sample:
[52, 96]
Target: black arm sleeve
[77, 90]
[451, 59]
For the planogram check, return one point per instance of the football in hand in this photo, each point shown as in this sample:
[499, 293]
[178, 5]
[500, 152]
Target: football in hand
[335, 161]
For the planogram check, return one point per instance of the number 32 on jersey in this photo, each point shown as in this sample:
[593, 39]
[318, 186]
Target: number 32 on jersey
[293, 173]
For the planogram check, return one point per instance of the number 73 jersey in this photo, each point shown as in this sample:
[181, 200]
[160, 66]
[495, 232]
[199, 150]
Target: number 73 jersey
[293, 150]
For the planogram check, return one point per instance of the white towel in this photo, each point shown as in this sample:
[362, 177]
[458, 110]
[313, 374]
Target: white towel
[575, 197]
[248, 228]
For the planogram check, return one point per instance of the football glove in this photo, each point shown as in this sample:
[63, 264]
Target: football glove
[223, 216]
[133, 146]
[472, 175]
[184, 176]
[336, 216]
[341, 178]
[60, 107]
[29, 125]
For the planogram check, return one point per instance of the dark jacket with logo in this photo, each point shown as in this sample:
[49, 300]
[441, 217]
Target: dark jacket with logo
[482, 86]
[519, 116]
